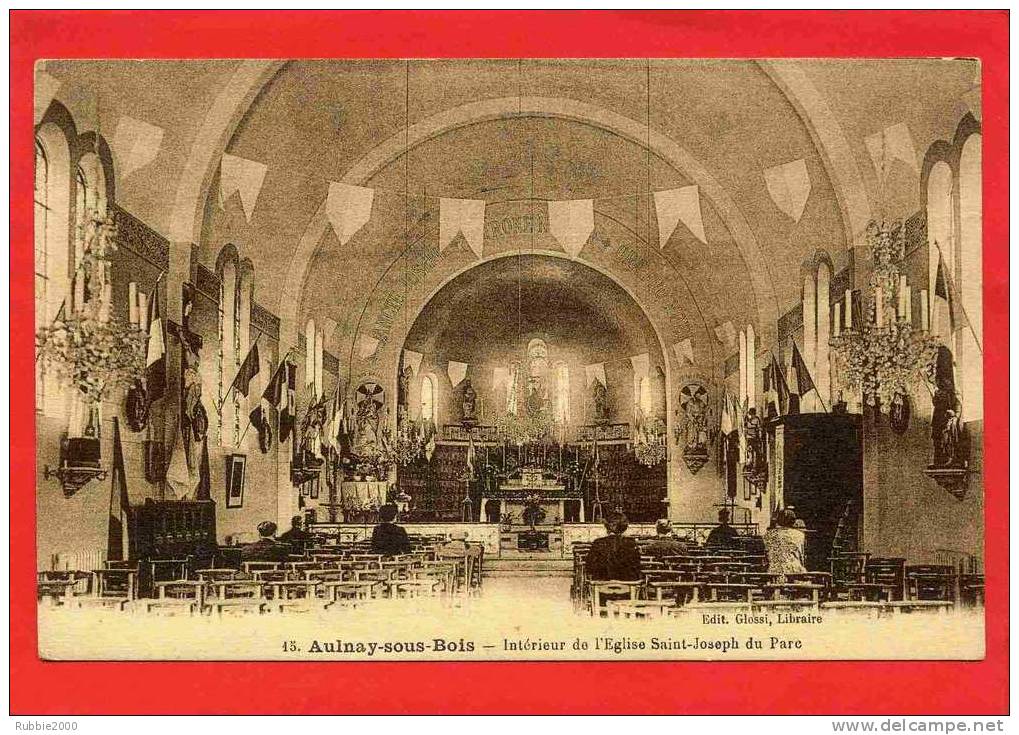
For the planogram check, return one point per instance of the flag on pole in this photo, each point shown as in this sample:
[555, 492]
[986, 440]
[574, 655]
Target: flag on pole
[248, 370]
[183, 480]
[804, 383]
[155, 352]
[116, 546]
[776, 390]
[941, 306]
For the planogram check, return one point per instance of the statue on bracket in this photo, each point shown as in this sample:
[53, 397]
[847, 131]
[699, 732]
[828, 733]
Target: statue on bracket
[600, 403]
[693, 431]
[946, 431]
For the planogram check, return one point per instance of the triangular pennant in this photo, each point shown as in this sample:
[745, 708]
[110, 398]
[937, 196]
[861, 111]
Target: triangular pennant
[972, 99]
[684, 352]
[595, 372]
[348, 209]
[241, 176]
[571, 223]
[457, 371]
[726, 334]
[462, 216]
[641, 364]
[789, 187]
[412, 360]
[135, 144]
[679, 205]
[46, 88]
[894, 143]
[367, 346]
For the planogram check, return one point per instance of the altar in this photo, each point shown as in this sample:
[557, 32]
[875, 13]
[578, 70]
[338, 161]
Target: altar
[531, 489]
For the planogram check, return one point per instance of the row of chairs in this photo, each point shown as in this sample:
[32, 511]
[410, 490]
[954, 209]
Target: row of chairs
[323, 576]
[705, 577]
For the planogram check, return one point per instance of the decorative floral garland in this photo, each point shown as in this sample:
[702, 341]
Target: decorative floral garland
[89, 348]
[880, 361]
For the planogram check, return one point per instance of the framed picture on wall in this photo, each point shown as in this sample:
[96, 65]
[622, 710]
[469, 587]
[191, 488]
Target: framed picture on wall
[235, 467]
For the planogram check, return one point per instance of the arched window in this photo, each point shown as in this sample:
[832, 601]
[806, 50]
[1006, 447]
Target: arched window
[41, 256]
[227, 417]
[969, 279]
[52, 256]
[645, 401]
[428, 398]
[313, 351]
[940, 223]
[562, 393]
[82, 199]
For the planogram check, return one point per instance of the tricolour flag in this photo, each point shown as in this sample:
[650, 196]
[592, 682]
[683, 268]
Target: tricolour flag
[247, 371]
[804, 383]
[941, 304]
[155, 352]
[116, 546]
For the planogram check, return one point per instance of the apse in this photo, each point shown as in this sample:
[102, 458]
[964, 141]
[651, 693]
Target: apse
[487, 316]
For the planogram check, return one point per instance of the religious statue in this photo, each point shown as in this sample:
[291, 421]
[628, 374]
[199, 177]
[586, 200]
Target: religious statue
[537, 399]
[945, 429]
[403, 394]
[600, 401]
[311, 431]
[753, 430]
[469, 403]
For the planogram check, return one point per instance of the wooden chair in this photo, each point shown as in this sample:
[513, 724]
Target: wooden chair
[57, 588]
[602, 591]
[418, 587]
[339, 593]
[115, 588]
[175, 596]
[640, 608]
[243, 596]
[931, 582]
[217, 575]
[293, 595]
[971, 589]
[249, 567]
[890, 575]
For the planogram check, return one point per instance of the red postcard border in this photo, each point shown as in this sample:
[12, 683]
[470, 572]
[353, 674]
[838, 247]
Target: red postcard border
[932, 688]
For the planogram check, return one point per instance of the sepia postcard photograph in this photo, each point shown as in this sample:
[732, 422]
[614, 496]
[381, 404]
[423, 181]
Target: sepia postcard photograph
[573, 358]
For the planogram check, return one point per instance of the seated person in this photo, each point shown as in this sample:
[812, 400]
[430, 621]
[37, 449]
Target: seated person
[614, 557]
[296, 537]
[783, 545]
[723, 534]
[266, 548]
[387, 537]
[665, 543]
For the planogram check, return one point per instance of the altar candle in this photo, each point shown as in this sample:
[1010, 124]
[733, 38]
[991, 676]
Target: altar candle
[849, 308]
[132, 303]
[903, 290]
[838, 318]
[878, 306]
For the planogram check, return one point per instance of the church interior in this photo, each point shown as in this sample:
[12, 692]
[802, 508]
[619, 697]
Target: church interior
[512, 300]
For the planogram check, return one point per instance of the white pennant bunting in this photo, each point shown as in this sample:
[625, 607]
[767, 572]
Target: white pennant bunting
[457, 371]
[684, 352]
[46, 88]
[412, 360]
[462, 216]
[641, 364]
[571, 223]
[367, 346]
[892, 144]
[679, 205]
[789, 187]
[726, 334]
[135, 144]
[242, 176]
[595, 372]
[348, 209]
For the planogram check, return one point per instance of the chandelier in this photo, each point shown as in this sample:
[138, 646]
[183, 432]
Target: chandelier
[883, 355]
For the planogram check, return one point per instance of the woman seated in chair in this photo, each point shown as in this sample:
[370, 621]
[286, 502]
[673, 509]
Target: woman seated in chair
[783, 544]
[614, 557]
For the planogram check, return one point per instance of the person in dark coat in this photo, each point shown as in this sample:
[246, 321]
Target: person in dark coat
[267, 548]
[723, 534]
[296, 537]
[387, 537]
[665, 543]
[614, 557]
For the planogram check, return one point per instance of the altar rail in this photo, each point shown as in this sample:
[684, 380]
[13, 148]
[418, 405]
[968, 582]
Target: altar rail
[487, 534]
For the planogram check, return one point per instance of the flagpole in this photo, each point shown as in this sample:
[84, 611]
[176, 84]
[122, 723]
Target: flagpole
[229, 391]
[962, 307]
